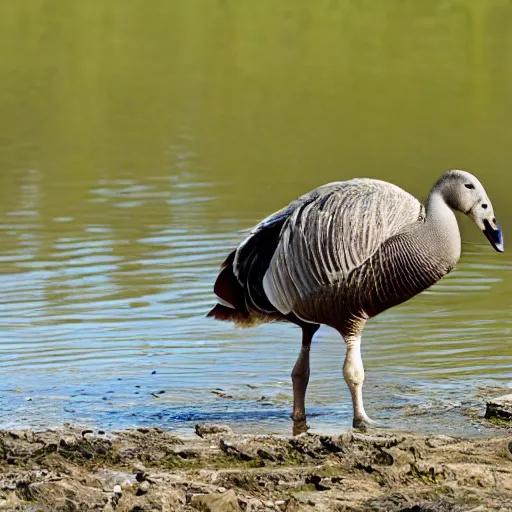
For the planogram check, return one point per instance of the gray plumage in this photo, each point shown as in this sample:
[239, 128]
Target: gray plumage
[335, 234]
[346, 252]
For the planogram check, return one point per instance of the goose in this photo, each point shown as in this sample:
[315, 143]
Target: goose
[340, 255]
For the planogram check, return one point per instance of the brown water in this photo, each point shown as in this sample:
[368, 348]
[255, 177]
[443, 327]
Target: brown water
[138, 138]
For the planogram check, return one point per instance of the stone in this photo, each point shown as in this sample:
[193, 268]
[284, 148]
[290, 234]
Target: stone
[440, 441]
[68, 441]
[242, 451]
[254, 504]
[500, 408]
[216, 502]
[143, 488]
[112, 478]
[208, 430]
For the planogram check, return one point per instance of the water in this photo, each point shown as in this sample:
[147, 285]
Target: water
[137, 142]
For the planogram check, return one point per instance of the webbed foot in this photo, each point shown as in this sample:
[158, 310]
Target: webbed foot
[364, 422]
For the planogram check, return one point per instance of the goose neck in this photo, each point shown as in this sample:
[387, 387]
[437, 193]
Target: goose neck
[441, 227]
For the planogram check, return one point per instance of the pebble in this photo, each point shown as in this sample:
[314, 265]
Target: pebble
[117, 489]
[500, 407]
[253, 504]
[206, 430]
[68, 441]
[221, 489]
[143, 488]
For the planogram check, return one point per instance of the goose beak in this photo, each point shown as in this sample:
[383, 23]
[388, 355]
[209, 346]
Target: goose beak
[494, 236]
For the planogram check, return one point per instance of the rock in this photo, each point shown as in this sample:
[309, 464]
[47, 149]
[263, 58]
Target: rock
[265, 454]
[49, 494]
[143, 488]
[68, 441]
[235, 451]
[316, 481]
[216, 502]
[439, 441]
[254, 504]
[500, 408]
[207, 430]
[149, 470]
[112, 478]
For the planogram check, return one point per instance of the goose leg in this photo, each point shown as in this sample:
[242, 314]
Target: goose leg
[300, 379]
[353, 371]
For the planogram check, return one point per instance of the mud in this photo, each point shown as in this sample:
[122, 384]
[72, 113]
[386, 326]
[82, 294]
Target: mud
[76, 469]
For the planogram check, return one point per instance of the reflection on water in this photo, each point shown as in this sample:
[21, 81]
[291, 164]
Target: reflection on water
[135, 146]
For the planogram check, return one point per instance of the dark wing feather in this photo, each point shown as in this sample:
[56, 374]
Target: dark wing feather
[253, 256]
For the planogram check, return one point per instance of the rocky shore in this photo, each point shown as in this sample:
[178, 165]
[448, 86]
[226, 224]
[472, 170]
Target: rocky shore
[77, 469]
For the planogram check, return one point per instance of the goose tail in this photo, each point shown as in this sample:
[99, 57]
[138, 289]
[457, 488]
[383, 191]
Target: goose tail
[231, 306]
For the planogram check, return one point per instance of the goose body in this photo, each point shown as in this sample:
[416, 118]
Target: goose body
[343, 253]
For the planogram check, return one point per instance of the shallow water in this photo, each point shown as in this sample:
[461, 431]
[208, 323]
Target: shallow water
[136, 143]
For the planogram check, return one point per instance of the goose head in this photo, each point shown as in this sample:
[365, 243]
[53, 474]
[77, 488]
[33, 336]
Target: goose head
[463, 192]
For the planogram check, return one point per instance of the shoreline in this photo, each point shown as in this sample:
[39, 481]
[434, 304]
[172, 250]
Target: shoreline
[149, 469]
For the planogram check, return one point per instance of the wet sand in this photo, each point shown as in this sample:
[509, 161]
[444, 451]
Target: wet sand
[76, 469]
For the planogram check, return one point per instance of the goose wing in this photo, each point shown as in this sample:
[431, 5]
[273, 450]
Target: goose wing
[252, 257]
[335, 231]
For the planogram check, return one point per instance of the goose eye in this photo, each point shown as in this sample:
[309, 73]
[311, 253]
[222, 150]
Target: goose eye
[469, 185]
[484, 206]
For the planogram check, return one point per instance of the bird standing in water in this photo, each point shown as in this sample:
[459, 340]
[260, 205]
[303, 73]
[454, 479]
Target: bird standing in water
[340, 255]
